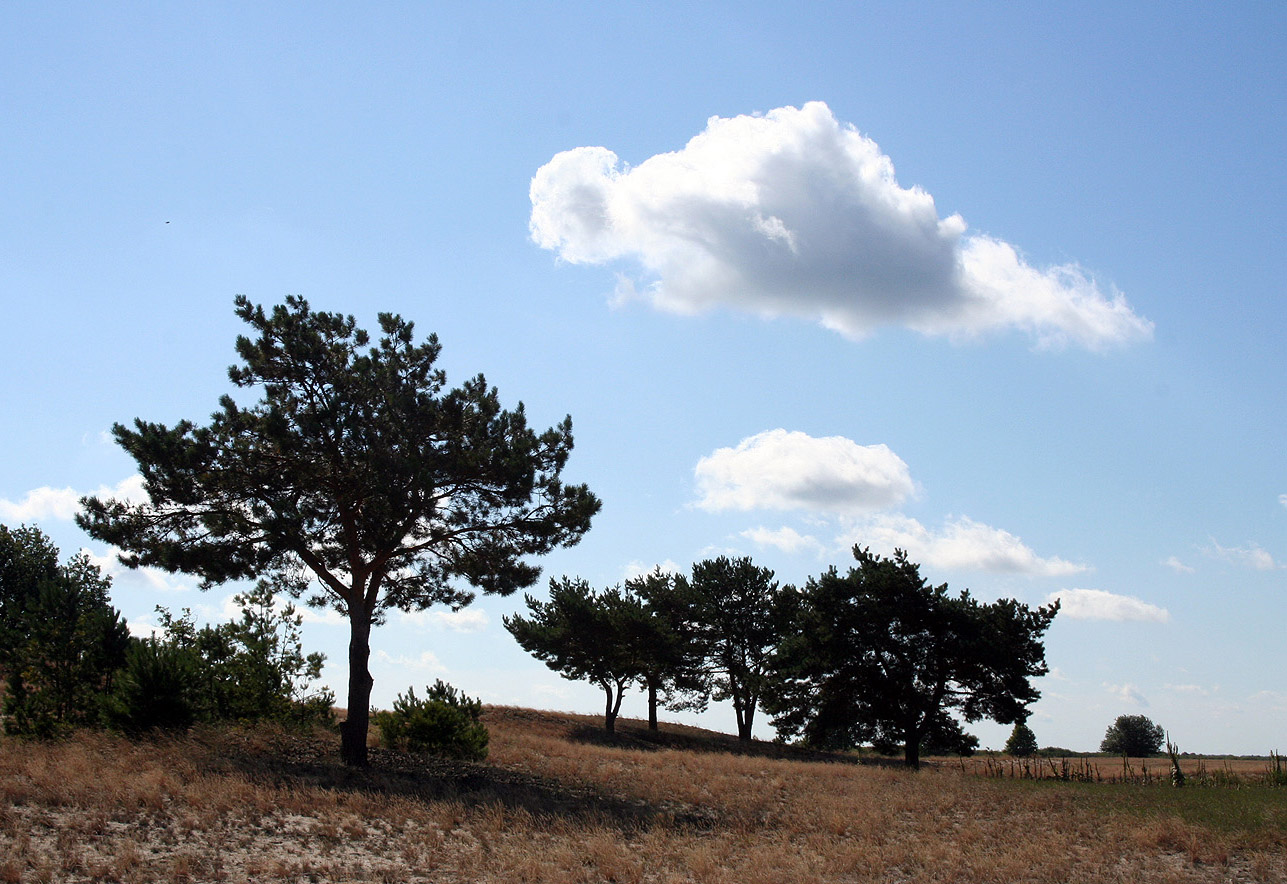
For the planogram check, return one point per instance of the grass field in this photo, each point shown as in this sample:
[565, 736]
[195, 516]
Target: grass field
[558, 802]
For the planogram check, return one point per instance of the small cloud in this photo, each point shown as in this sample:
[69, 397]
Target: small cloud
[1177, 566]
[638, 569]
[785, 538]
[557, 691]
[151, 579]
[425, 664]
[1282, 498]
[1128, 693]
[792, 213]
[1251, 556]
[781, 470]
[1192, 689]
[1096, 604]
[464, 620]
[961, 544]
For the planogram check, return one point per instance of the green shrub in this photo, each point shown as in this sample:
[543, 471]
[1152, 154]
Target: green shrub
[1022, 742]
[155, 690]
[445, 722]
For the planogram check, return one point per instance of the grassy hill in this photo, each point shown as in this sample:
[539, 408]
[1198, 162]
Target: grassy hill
[559, 801]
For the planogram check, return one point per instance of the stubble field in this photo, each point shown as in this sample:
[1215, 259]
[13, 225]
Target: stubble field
[557, 802]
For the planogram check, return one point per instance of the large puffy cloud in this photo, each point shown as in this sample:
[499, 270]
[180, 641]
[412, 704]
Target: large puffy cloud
[1096, 604]
[62, 504]
[781, 470]
[792, 213]
[961, 544]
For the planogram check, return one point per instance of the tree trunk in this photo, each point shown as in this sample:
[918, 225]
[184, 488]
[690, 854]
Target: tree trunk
[652, 706]
[912, 747]
[609, 711]
[353, 729]
[745, 719]
[912, 754]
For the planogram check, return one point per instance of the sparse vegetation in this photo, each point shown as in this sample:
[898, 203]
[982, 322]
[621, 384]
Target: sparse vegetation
[558, 801]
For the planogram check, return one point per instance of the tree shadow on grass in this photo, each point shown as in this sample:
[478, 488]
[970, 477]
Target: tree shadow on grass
[313, 762]
[686, 739]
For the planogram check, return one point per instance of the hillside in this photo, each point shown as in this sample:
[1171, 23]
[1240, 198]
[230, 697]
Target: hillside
[557, 801]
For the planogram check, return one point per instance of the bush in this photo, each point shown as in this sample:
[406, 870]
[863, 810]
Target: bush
[1133, 735]
[155, 690]
[446, 722]
[1022, 742]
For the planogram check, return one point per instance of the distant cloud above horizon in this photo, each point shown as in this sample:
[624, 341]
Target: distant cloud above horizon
[781, 470]
[1097, 604]
[793, 213]
[854, 491]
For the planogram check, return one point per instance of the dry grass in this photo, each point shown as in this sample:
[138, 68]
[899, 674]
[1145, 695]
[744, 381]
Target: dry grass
[557, 803]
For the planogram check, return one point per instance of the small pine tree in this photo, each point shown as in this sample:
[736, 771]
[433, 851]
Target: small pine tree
[445, 722]
[60, 639]
[1022, 742]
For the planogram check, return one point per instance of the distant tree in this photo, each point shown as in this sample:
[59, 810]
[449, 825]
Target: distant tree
[740, 613]
[1022, 741]
[1133, 735]
[61, 642]
[673, 665]
[356, 475]
[587, 635]
[879, 656]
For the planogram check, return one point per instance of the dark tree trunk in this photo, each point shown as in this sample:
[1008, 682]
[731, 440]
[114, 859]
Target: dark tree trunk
[912, 747]
[610, 710]
[912, 754]
[354, 727]
[745, 719]
[652, 706]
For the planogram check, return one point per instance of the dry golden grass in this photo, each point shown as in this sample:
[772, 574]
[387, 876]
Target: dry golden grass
[556, 802]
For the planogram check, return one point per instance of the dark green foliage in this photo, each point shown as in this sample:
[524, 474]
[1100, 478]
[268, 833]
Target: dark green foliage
[357, 476]
[1022, 741]
[1133, 735]
[60, 639]
[673, 666]
[445, 722]
[252, 669]
[602, 637]
[157, 690]
[741, 615]
[879, 656]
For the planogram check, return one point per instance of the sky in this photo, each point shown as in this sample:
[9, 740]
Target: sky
[1003, 287]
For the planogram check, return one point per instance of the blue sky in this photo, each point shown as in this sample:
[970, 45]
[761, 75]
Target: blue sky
[1000, 286]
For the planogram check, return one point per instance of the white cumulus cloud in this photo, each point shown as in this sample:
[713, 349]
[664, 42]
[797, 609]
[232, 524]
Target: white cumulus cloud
[792, 213]
[961, 544]
[781, 470]
[1096, 604]
[62, 504]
